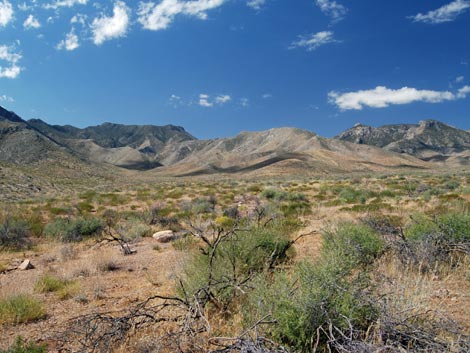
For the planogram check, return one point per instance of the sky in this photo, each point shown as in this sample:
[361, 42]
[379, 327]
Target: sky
[218, 67]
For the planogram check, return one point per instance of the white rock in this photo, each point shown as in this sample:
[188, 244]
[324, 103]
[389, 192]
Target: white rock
[26, 265]
[165, 236]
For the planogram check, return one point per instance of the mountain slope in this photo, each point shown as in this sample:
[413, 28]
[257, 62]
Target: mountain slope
[429, 140]
[284, 150]
[32, 162]
[127, 146]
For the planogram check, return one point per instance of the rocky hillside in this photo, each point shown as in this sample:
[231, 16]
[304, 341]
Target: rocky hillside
[127, 146]
[278, 151]
[33, 163]
[22, 144]
[429, 140]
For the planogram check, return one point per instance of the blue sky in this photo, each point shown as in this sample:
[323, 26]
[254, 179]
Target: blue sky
[218, 67]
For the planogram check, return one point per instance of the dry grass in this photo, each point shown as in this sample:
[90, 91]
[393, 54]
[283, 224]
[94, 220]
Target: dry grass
[103, 279]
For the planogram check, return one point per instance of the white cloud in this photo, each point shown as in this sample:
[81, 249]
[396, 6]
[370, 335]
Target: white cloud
[31, 22]
[105, 28]
[267, 96]
[6, 13]
[446, 13]
[222, 99]
[159, 16]
[332, 9]
[175, 101]
[460, 79]
[204, 101]
[381, 97]
[313, 41]
[5, 98]
[70, 42]
[463, 92]
[244, 102]
[8, 54]
[256, 4]
[64, 3]
[79, 18]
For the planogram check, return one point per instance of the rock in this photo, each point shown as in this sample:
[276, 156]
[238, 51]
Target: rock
[165, 236]
[26, 265]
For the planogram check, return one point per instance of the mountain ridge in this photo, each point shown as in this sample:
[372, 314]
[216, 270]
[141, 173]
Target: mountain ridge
[173, 151]
[429, 140]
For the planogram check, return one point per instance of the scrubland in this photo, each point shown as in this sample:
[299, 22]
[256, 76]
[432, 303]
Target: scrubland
[366, 263]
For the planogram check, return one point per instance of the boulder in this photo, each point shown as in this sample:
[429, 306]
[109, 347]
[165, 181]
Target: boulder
[26, 265]
[165, 236]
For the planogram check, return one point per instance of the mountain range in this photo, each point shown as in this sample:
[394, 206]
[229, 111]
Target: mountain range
[170, 150]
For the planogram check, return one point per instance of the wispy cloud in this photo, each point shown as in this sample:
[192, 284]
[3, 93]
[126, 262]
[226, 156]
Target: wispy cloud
[204, 101]
[5, 98]
[314, 41]
[332, 9]
[71, 42]
[9, 55]
[31, 23]
[79, 18]
[159, 16]
[446, 13]
[222, 99]
[267, 96]
[175, 101]
[382, 97]
[463, 92]
[244, 102]
[6, 13]
[105, 28]
[64, 3]
[256, 4]
[459, 79]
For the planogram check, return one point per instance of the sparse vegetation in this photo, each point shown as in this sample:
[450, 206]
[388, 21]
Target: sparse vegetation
[22, 346]
[240, 265]
[73, 230]
[21, 308]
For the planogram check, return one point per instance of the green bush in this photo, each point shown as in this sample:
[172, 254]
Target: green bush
[20, 309]
[351, 195]
[14, 233]
[329, 293]
[280, 195]
[226, 266]
[48, 283]
[22, 346]
[355, 245]
[434, 241]
[68, 230]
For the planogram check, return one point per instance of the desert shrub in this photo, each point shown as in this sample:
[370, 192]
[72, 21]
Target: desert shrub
[280, 195]
[452, 185]
[354, 244]
[108, 265]
[14, 233]
[200, 206]
[84, 207]
[223, 270]
[134, 229]
[351, 195]
[430, 242]
[232, 212]
[184, 243]
[68, 230]
[20, 308]
[22, 346]
[316, 297]
[48, 283]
